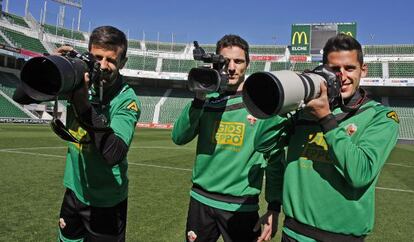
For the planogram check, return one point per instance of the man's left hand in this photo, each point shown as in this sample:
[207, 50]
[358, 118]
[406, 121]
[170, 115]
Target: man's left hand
[319, 107]
[269, 221]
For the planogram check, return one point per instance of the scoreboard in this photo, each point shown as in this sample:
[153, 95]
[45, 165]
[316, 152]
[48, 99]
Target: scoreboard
[309, 39]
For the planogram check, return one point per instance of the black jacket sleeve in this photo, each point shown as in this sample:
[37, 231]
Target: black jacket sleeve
[110, 146]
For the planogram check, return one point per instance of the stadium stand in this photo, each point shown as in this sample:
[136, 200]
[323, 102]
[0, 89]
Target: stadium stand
[164, 47]
[135, 44]
[302, 66]
[209, 48]
[278, 66]
[178, 65]
[149, 97]
[374, 69]
[2, 40]
[63, 32]
[139, 62]
[8, 83]
[388, 50]
[162, 65]
[267, 49]
[401, 69]
[21, 40]
[9, 110]
[405, 111]
[174, 104]
[14, 19]
[255, 66]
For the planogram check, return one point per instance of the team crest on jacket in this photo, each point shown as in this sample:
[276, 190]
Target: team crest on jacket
[393, 115]
[133, 105]
[252, 120]
[351, 129]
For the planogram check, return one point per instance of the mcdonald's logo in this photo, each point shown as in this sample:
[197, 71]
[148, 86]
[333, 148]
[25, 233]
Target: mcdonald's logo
[298, 36]
[348, 33]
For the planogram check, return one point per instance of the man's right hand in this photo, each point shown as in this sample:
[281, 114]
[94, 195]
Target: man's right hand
[63, 50]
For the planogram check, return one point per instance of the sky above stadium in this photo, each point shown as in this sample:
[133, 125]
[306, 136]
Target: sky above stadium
[259, 21]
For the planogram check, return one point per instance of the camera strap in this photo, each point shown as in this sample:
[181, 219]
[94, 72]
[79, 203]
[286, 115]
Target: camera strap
[60, 129]
[355, 102]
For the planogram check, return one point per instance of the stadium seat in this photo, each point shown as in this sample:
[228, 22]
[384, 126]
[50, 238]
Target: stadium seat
[14, 19]
[164, 46]
[255, 66]
[401, 69]
[139, 62]
[278, 66]
[59, 31]
[389, 50]
[374, 69]
[21, 40]
[267, 49]
[9, 110]
[178, 65]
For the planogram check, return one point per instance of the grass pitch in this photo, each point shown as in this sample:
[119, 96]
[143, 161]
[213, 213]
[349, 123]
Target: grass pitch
[32, 161]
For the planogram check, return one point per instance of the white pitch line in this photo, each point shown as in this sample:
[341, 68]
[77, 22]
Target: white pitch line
[394, 189]
[134, 147]
[395, 164]
[31, 153]
[164, 167]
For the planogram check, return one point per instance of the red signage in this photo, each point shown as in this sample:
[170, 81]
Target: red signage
[298, 58]
[29, 53]
[264, 58]
[155, 125]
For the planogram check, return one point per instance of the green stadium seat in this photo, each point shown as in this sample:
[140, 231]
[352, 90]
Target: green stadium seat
[149, 97]
[278, 66]
[14, 19]
[140, 62]
[178, 65]
[135, 44]
[302, 66]
[174, 105]
[401, 69]
[267, 49]
[164, 47]
[255, 66]
[59, 31]
[9, 110]
[392, 50]
[374, 69]
[209, 48]
[21, 40]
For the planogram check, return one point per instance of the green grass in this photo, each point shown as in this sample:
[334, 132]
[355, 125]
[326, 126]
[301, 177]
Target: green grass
[32, 163]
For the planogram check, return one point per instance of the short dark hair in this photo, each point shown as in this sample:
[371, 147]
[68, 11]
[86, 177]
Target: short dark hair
[109, 38]
[342, 42]
[233, 40]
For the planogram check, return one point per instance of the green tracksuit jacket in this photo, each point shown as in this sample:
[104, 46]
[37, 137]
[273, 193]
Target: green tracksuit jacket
[329, 178]
[226, 162]
[93, 181]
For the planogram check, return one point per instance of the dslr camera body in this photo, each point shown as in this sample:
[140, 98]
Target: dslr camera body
[208, 78]
[46, 77]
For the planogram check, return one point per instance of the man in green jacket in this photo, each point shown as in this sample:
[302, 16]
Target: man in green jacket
[334, 157]
[228, 172]
[102, 122]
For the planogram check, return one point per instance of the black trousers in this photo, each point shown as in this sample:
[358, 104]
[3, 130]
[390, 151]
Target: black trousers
[80, 221]
[206, 224]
